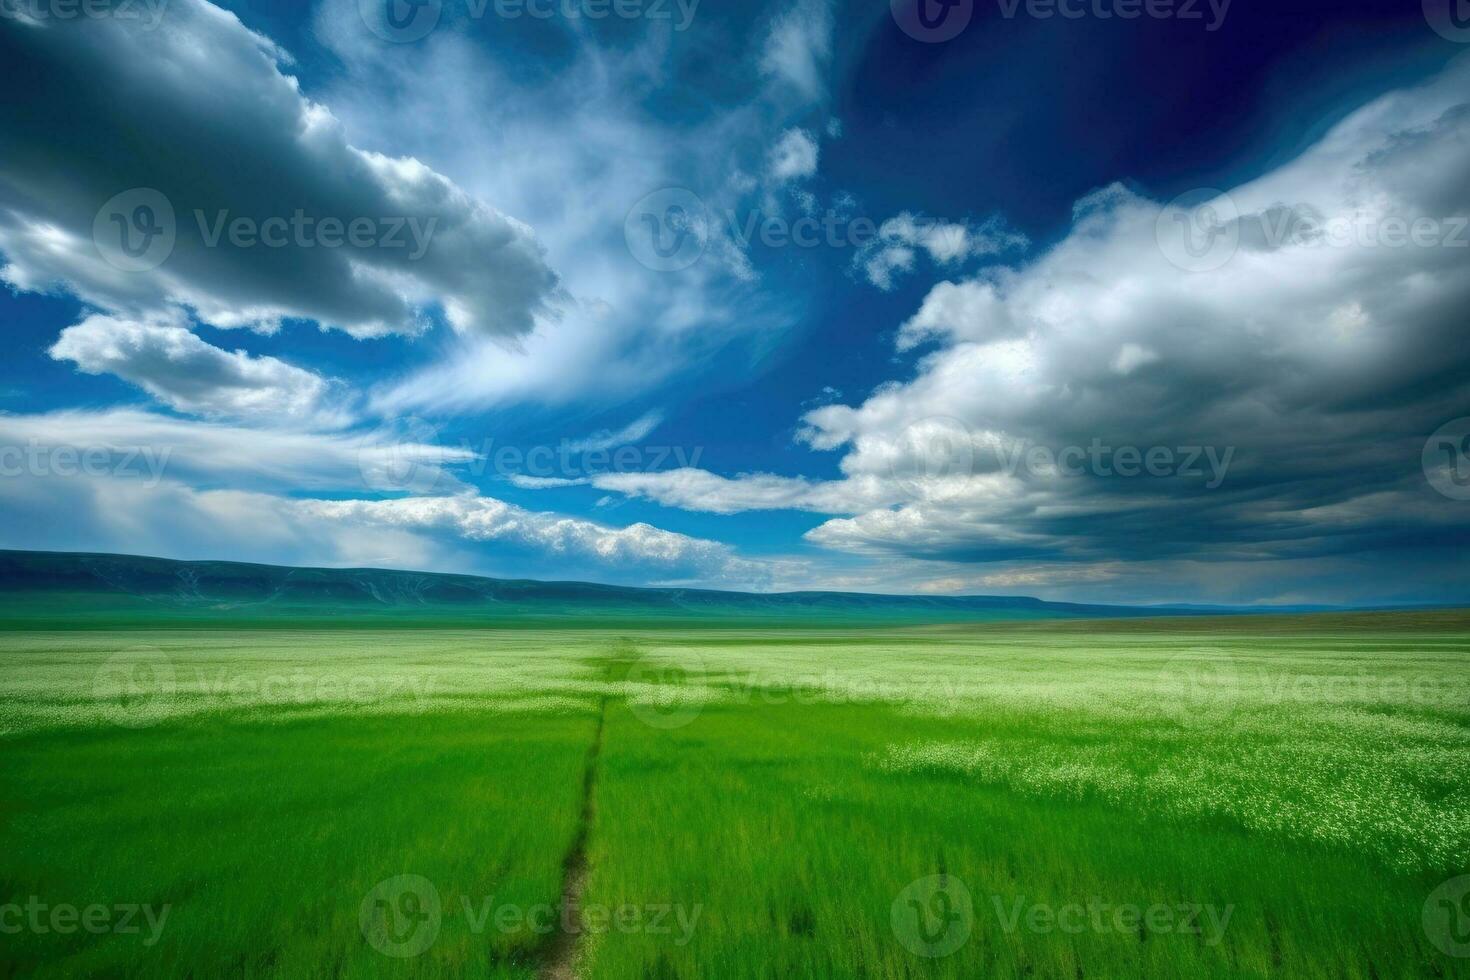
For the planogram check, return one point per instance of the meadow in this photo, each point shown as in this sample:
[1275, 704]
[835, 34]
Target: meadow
[1251, 797]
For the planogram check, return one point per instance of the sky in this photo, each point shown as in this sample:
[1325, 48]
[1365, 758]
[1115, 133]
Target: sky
[1106, 300]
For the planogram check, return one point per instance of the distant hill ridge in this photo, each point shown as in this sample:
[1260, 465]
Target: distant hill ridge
[71, 588]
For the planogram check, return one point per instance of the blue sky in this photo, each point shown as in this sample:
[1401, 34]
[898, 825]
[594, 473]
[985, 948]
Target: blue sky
[764, 296]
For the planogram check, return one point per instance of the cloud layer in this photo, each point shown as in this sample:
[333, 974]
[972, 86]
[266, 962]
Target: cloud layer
[1259, 389]
[257, 208]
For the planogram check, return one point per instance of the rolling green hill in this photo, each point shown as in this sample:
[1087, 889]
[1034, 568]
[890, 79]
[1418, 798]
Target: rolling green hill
[69, 590]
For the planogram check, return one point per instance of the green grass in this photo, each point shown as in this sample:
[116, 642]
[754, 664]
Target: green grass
[745, 803]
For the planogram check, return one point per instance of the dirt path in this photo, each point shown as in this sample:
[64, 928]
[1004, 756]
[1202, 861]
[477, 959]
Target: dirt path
[561, 955]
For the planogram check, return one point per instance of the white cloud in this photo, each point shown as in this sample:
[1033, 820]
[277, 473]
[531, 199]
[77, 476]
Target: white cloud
[173, 365]
[139, 483]
[626, 329]
[662, 554]
[1133, 356]
[146, 447]
[1245, 374]
[794, 157]
[695, 489]
[206, 102]
[948, 243]
[525, 482]
[633, 432]
[799, 47]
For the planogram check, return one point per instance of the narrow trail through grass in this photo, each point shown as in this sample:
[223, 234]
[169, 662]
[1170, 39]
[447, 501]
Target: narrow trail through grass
[562, 953]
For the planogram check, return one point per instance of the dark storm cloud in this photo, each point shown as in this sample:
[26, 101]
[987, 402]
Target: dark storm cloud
[197, 112]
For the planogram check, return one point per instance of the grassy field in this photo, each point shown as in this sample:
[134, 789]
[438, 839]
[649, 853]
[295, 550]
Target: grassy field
[1254, 797]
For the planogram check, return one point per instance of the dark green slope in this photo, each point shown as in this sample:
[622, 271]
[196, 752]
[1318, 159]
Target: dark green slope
[53, 589]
